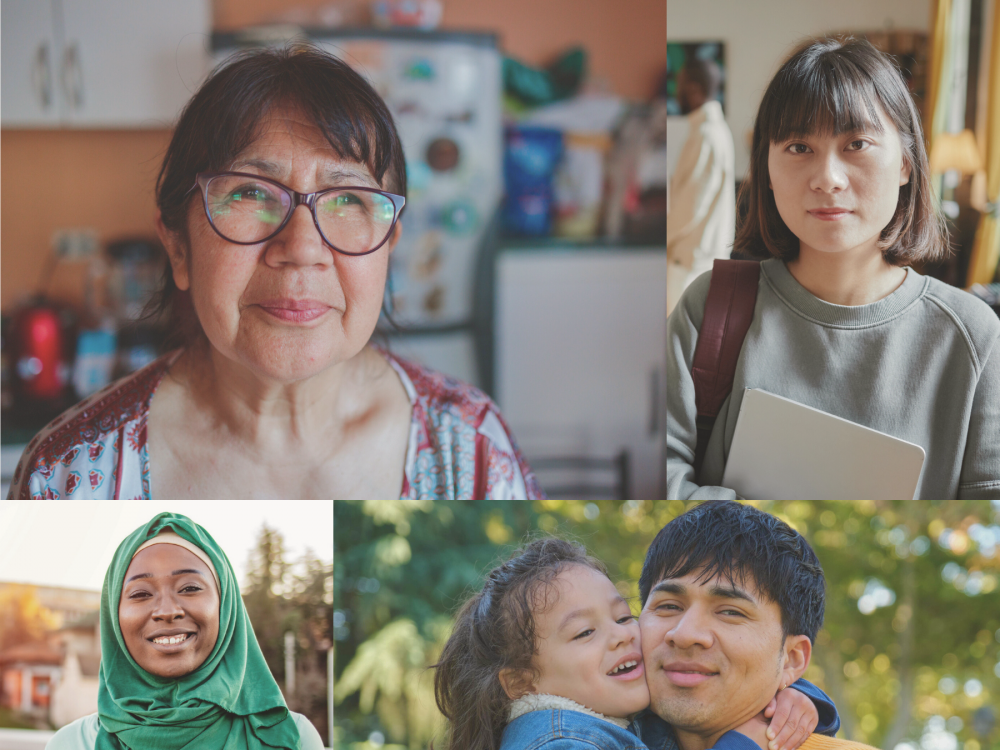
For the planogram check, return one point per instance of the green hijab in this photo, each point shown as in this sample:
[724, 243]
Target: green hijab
[230, 702]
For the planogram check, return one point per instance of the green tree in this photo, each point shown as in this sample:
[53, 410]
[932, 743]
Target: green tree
[913, 605]
[311, 619]
[401, 569]
[264, 598]
[278, 601]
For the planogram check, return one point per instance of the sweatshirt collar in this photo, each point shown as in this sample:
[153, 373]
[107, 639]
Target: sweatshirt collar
[535, 702]
[795, 296]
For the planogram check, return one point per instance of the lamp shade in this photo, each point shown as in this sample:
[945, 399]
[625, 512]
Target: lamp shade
[955, 151]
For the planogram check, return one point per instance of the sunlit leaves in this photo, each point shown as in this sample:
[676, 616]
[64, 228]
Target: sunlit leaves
[388, 673]
[23, 619]
[496, 530]
[392, 551]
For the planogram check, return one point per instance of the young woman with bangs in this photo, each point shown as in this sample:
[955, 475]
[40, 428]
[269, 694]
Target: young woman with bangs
[840, 209]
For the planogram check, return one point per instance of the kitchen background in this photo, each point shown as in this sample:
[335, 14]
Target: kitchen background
[552, 300]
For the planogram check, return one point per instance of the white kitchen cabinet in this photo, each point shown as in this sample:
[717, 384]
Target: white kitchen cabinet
[101, 63]
[29, 49]
[580, 357]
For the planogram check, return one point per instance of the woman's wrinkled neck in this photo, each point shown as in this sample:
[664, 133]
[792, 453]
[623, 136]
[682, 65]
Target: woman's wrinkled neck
[851, 278]
[271, 415]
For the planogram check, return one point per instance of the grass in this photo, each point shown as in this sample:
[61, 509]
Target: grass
[13, 720]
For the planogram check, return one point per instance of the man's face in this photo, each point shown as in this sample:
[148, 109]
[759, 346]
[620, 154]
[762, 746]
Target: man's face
[690, 94]
[713, 652]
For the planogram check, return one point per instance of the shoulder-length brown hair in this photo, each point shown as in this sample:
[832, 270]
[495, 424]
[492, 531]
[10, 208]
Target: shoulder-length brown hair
[838, 85]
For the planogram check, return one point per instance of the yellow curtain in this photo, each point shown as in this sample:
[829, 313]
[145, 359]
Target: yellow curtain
[936, 108]
[986, 250]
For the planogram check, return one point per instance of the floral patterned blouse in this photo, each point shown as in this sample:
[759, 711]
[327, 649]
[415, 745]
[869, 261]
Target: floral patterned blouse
[459, 448]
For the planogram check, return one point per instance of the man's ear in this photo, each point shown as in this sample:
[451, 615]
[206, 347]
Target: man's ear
[515, 683]
[798, 652]
[176, 253]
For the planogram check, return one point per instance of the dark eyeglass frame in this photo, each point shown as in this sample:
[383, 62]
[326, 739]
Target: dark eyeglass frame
[308, 199]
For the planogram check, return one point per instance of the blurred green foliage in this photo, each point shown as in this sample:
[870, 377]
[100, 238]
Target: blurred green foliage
[280, 601]
[910, 650]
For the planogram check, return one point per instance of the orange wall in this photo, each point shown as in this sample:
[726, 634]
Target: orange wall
[102, 179]
[626, 41]
[59, 179]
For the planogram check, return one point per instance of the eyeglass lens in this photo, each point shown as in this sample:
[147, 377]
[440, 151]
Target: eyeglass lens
[247, 210]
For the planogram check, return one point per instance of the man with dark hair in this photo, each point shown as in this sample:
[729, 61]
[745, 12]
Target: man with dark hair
[701, 219]
[732, 600]
[697, 83]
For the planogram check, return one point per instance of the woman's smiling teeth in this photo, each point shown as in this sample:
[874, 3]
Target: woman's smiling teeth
[170, 640]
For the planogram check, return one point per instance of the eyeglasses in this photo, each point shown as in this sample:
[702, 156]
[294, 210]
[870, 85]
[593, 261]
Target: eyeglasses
[247, 209]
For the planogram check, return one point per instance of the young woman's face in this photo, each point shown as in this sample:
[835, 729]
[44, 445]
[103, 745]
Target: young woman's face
[169, 611]
[837, 193]
[584, 638]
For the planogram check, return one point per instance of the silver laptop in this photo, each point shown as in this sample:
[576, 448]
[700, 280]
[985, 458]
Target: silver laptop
[783, 450]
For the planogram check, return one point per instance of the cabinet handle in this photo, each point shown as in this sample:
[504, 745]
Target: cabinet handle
[41, 75]
[72, 76]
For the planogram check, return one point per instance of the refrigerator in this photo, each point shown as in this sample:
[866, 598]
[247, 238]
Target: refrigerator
[444, 92]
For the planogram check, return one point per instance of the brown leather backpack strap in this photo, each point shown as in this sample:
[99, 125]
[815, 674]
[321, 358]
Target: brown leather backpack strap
[729, 308]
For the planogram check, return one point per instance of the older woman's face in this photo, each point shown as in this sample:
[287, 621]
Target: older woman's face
[242, 293]
[169, 610]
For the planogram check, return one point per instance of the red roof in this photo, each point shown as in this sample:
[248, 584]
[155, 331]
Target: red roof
[31, 653]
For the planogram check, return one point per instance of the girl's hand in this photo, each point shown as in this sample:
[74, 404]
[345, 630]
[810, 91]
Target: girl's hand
[793, 718]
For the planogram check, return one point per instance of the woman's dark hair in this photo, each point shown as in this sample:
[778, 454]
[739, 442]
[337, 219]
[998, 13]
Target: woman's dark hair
[227, 115]
[837, 86]
[743, 546]
[495, 631]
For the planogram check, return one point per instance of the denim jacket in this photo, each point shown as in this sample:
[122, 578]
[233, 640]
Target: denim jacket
[556, 723]
[578, 728]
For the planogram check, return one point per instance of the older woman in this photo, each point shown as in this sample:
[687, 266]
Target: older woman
[279, 202]
[180, 666]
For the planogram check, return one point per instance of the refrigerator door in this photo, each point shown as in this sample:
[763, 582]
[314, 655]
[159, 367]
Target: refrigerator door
[444, 93]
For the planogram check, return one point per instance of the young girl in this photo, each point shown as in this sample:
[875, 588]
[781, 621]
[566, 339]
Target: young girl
[549, 651]
[839, 208]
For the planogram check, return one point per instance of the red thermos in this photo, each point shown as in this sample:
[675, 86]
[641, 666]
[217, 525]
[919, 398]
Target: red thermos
[38, 352]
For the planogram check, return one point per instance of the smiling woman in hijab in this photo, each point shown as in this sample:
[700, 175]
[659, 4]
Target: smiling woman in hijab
[180, 666]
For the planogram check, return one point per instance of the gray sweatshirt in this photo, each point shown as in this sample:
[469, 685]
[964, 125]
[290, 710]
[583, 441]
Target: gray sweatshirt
[922, 364]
